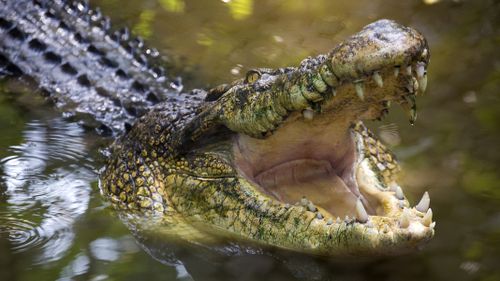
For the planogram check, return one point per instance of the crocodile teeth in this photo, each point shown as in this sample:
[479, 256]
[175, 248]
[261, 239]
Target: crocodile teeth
[420, 70]
[413, 116]
[319, 216]
[361, 214]
[427, 219]
[329, 221]
[311, 207]
[421, 77]
[398, 192]
[378, 79]
[308, 114]
[415, 85]
[396, 72]
[412, 111]
[408, 70]
[404, 220]
[401, 204]
[424, 203]
[360, 91]
[422, 81]
[424, 53]
[304, 201]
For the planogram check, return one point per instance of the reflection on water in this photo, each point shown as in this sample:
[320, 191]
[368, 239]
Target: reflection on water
[54, 226]
[44, 192]
[47, 182]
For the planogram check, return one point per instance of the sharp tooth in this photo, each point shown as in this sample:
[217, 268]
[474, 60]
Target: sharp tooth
[308, 114]
[404, 220]
[421, 77]
[413, 110]
[396, 72]
[427, 219]
[401, 204]
[433, 224]
[359, 90]
[304, 201]
[398, 192]
[319, 216]
[424, 53]
[330, 221]
[424, 203]
[420, 70]
[413, 116]
[311, 207]
[361, 214]
[422, 81]
[408, 70]
[378, 79]
[334, 92]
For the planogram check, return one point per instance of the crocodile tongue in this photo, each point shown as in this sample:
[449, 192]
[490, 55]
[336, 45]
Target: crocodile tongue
[315, 180]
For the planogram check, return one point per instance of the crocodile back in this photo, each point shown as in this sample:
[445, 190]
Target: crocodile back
[103, 77]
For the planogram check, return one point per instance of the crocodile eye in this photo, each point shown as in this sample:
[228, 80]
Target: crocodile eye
[252, 76]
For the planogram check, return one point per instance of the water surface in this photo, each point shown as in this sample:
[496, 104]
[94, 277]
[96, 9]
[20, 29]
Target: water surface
[54, 224]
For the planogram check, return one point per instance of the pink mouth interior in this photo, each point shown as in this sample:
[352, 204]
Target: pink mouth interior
[304, 160]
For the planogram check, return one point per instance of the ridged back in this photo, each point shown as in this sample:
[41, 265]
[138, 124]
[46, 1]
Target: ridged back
[103, 77]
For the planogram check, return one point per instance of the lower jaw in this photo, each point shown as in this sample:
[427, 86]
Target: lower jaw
[332, 191]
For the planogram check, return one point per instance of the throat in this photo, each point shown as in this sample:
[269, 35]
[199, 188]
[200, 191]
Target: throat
[305, 161]
[315, 180]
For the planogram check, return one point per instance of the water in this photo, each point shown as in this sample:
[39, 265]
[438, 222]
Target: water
[55, 226]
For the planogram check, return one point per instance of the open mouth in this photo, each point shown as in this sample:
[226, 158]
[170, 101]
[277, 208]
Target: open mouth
[305, 161]
[305, 173]
[325, 161]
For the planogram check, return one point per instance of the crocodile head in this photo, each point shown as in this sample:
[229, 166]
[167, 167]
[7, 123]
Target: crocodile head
[281, 157]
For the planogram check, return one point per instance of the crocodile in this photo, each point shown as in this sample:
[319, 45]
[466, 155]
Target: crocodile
[279, 157]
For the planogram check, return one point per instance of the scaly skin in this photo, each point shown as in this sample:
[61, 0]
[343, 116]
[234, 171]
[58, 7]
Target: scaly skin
[101, 77]
[191, 163]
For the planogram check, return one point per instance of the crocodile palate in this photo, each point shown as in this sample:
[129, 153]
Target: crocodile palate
[281, 156]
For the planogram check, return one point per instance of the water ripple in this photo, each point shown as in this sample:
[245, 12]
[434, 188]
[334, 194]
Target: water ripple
[22, 233]
[46, 182]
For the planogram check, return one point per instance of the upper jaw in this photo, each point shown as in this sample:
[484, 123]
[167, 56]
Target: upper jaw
[260, 103]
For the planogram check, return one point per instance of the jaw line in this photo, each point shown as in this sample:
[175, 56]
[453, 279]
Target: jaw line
[384, 227]
[357, 92]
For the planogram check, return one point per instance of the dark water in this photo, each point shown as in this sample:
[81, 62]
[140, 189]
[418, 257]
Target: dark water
[55, 226]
